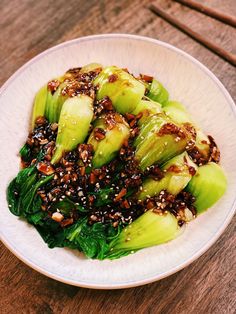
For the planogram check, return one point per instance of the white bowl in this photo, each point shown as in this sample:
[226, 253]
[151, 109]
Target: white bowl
[188, 81]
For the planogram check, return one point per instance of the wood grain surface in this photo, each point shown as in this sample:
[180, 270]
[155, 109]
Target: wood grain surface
[27, 28]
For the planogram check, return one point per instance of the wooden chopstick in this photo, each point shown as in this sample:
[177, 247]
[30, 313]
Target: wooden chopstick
[223, 17]
[230, 57]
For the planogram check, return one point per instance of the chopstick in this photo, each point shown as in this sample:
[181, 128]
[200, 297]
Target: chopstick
[230, 57]
[223, 17]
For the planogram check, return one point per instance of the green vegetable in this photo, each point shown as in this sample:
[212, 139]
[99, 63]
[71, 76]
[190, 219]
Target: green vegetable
[107, 148]
[178, 113]
[66, 205]
[147, 126]
[176, 176]
[90, 67]
[40, 102]
[28, 193]
[48, 104]
[54, 104]
[50, 231]
[75, 118]
[22, 190]
[148, 230]
[208, 186]
[28, 198]
[36, 218]
[25, 152]
[122, 88]
[158, 92]
[19, 187]
[202, 143]
[91, 240]
[12, 197]
[153, 146]
[148, 108]
[103, 196]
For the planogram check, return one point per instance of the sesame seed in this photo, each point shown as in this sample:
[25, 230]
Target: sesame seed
[80, 193]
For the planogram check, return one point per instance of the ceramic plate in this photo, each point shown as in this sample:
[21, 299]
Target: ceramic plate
[188, 81]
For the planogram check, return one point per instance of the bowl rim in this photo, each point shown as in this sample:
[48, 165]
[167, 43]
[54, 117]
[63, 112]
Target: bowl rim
[195, 255]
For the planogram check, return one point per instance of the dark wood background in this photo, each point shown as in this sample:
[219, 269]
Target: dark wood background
[27, 28]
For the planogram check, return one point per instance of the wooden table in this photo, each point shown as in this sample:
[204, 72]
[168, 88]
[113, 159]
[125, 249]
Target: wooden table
[27, 28]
